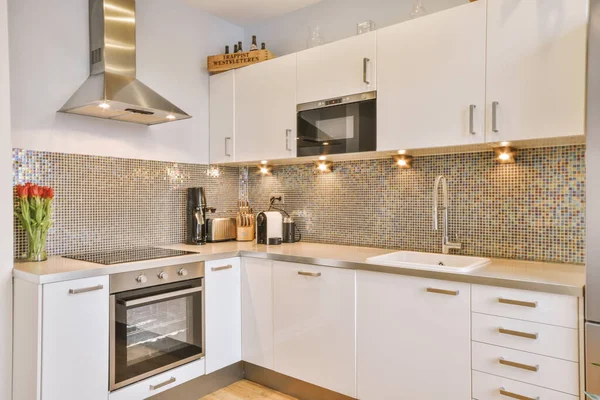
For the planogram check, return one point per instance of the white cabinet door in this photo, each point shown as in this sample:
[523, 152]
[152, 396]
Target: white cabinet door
[223, 313]
[412, 343]
[536, 67]
[431, 80]
[222, 117]
[265, 110]
[314, 325]
[75, 339]
[257, 312]
[337, 69]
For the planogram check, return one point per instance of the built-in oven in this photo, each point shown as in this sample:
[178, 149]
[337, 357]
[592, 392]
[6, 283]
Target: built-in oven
[156, 321]
[342, 125]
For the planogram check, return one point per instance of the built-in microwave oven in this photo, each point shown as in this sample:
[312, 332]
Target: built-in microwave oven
[342, 125]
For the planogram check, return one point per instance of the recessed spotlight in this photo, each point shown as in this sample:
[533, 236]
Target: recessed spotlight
[504, 144]
[324, 166]
[403, 161]
[325, 143]
[401, 151]
[322, 158]
[171, 117]
[505, 155]
[264, 162]
[264, 168]
[104, 105]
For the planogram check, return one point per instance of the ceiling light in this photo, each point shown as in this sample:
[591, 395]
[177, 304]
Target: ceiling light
[505, 155]
[504, 144]
[104, 105]
[264, 162]
[322, 158]
[324, 166]
[325, 143]
[171, 117]
[403, 161]
[401, 151]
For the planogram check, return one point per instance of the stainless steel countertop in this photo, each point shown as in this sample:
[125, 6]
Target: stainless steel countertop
[567, 279]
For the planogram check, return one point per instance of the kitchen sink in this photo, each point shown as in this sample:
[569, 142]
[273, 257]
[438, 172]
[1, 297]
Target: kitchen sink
[429, 261]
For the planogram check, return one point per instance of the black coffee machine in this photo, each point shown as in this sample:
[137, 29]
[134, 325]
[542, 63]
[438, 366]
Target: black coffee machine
[196, 215]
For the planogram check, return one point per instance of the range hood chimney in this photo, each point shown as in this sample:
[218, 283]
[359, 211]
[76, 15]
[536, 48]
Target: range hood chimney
[112, 90]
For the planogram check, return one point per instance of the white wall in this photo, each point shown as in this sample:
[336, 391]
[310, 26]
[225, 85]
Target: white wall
[49, 47]
[337, 19]
[6, 218]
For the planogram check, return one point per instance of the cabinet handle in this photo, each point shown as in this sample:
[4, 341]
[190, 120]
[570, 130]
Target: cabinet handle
[162, 384]
[85, 290]
[472, 108]
[531, 304]
[532, 368]
[503, 331]
[366, 62]
[442, 291]
[313, 274]
[495, 105]
[215, 269]
[226, 152]
[287, 139]
[516, 396]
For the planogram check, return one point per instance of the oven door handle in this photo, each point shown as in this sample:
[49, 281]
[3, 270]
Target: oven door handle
[159, 297]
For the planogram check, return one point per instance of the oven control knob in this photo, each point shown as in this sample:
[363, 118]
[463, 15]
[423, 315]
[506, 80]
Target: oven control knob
[141, 279]
[182, 272]
[163, 275]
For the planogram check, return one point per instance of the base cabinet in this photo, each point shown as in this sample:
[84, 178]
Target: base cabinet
[314, 325]
[223, 313]
[413, 338]
[257, 312]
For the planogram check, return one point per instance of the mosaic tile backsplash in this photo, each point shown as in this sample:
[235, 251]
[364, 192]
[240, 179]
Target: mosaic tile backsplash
[531, 210]
[105, 203]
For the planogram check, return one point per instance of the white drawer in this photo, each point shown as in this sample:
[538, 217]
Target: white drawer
[553, 309]
[487, 387]
[551, 373]
[548, 340]
[142, 389]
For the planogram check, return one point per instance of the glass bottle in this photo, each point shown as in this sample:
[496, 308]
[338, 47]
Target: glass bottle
[418, 10]
[254, 46]
[316, 38]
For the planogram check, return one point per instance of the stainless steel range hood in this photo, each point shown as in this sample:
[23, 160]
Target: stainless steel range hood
[112, 90]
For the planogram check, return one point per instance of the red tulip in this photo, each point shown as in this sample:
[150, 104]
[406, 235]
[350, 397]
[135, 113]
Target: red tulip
[50, 193]
[35, 191]
[22, 191]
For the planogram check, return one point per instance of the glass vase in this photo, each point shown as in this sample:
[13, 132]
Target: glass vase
[36, 250]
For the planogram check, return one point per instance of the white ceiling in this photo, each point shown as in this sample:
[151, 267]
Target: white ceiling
[244, 12]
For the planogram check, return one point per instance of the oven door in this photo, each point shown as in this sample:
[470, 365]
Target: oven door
[339, 128]
[155, 329]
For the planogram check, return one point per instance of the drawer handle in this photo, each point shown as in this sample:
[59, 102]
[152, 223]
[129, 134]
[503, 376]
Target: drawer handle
[442, 291]
[162, 384]
[531, 304]
[85, 290]
[532, 368]
[215, 269]
[313, 274]
[503, 331]
[516, 396]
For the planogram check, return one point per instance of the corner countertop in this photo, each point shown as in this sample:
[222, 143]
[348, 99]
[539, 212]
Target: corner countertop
[567, 279]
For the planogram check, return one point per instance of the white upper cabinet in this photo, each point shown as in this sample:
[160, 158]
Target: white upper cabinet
[223, 313]
[536, 68]
[337, 69]
[75, 333]
[413, 338]
[431, 80]
[314, 325]
[265, 104]
[222, 117]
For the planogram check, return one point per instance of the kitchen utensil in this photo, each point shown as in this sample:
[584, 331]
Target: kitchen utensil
[289, 231]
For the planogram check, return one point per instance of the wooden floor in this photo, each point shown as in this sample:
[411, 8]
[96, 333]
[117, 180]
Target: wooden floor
[246, 390]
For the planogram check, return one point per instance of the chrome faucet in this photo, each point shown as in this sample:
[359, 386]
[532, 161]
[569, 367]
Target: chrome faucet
[447, 245]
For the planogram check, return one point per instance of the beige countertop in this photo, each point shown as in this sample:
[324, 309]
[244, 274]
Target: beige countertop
[568, 279]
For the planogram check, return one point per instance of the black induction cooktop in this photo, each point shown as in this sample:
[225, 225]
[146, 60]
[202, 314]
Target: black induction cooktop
[127, 255]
